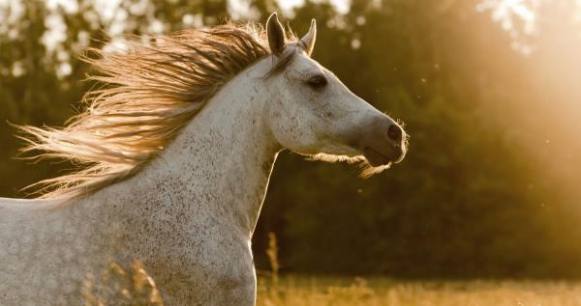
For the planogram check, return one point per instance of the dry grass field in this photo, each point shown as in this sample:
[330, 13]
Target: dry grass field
[132, 286]
[311, 291]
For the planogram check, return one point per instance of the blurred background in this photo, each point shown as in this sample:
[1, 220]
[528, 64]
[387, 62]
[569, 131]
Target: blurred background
[488, 89]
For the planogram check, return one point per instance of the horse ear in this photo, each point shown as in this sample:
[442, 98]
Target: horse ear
[308, 41]
[275, 33]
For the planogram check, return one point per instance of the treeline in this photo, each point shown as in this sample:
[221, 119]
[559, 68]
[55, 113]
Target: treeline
[476, 196]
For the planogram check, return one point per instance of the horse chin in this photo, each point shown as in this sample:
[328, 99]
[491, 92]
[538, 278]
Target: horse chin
[376, 159]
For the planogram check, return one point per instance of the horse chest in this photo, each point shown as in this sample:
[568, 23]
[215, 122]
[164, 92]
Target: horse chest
[193, 252]
[201, 264]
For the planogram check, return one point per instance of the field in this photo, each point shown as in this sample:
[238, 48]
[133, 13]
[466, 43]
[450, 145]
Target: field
[133, 286]
[310, 291]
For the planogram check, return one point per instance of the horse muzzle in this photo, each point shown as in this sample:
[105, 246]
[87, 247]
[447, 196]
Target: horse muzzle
[384, 143]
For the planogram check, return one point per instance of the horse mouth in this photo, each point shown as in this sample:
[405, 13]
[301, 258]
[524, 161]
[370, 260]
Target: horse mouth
[376, 158]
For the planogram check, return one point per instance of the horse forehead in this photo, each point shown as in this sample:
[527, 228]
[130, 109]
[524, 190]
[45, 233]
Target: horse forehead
[303, 64]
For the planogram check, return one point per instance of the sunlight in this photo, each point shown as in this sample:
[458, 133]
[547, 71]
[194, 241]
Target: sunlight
[510, 12]
[517, 17]
[548, 32]
[342, 6]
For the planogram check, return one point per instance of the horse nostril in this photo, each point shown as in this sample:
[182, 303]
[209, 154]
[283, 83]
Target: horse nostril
[394, 133]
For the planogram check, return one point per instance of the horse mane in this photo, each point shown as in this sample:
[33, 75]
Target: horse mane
[147, 95]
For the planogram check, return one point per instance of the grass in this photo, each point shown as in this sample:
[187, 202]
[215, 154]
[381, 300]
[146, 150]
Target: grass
[341, 291]
[132, 286]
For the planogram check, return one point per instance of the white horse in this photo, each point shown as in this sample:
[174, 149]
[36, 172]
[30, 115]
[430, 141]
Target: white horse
[176, 152]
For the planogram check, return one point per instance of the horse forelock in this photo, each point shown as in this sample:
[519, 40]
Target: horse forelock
[149, 93]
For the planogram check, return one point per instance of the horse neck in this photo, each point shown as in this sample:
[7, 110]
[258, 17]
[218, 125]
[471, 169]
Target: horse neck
[218, 167]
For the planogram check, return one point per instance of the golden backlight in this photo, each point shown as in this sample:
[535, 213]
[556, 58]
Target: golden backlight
[544, 122]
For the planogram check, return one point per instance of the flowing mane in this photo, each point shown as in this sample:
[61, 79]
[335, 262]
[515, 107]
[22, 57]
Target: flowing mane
[149, 93]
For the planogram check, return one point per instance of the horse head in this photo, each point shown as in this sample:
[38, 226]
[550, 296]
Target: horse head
[313, 113]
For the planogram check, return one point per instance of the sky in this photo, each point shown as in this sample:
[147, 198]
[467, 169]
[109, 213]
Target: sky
[341, 5]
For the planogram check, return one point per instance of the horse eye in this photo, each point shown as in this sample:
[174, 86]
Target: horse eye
[317, 82]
